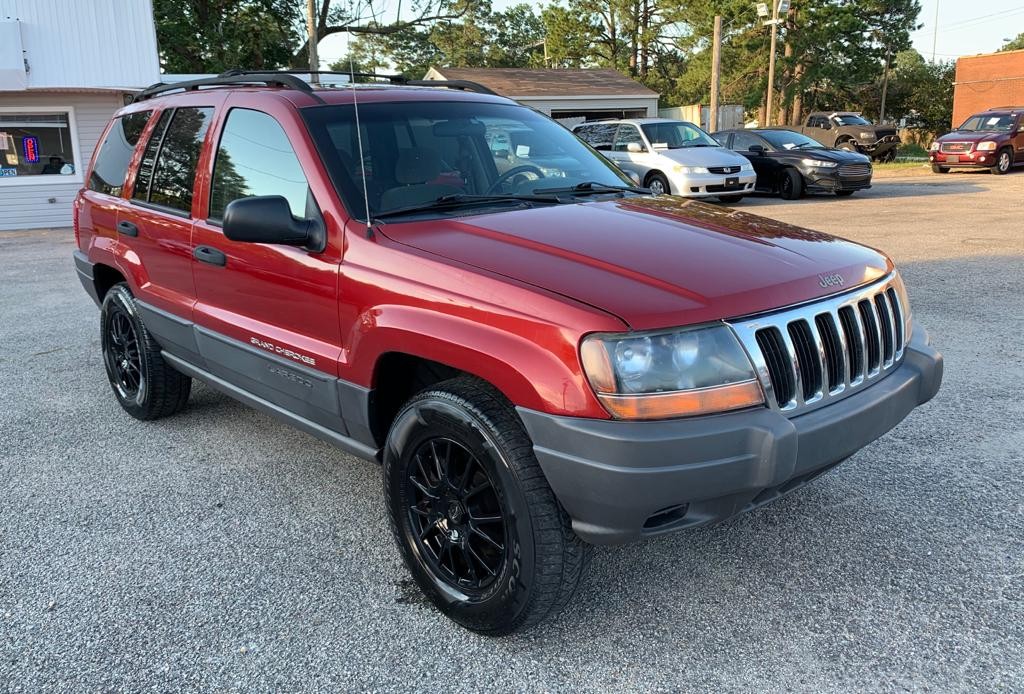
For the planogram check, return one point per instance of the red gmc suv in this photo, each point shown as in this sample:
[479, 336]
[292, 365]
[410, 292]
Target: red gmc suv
[541, 356]
[991, 140]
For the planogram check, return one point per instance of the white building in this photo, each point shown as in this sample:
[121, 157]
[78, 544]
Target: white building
[65, 67]
[567, 95]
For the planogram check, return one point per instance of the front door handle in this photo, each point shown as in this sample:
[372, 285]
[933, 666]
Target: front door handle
[206, 254]
[127, 228]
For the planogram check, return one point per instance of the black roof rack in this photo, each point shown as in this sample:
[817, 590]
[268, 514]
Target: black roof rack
[290, 79]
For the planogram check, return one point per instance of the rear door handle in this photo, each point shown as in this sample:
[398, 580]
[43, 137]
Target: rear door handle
[206, 254]
[127, 228]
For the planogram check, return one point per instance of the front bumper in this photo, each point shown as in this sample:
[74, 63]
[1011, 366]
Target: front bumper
[830, 181]
[966, 160]
[880, 146]
[711, 185]
[622, 480]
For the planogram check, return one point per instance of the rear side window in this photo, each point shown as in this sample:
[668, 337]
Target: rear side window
[255, 158]
[168, 170]
[116, 153]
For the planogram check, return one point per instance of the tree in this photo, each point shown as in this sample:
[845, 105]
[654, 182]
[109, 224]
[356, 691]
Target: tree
[1014, 44]
[217, 35]
[922, 92]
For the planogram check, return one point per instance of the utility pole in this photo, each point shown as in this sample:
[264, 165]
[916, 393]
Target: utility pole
[885, 84]
[311, 28]
[778, 6]
[716, 69]
[935, 30]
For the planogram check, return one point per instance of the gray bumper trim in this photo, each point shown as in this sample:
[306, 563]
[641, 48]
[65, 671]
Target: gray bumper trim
[612, 477]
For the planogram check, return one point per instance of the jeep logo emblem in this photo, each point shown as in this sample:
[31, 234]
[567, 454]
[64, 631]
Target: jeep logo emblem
[833, 279]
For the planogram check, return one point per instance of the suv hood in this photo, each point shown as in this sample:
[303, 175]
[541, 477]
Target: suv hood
[654, 262]
[703, 156]
[971, 135]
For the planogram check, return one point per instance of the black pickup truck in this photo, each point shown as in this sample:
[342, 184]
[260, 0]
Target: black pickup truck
[851, 131]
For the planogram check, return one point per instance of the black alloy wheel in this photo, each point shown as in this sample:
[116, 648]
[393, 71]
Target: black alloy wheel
[121, 353]
[478, 526]
[146, 386]
[456, 515]
[791, 184]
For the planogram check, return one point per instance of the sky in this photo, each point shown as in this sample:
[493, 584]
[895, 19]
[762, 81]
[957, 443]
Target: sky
[964, 28]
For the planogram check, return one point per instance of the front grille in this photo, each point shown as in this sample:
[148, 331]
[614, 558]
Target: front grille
[817, 353]
[955, 147]
[855, 170]
[724, 169]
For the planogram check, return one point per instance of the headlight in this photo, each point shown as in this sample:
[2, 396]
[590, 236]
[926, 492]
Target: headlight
[986, 146]
[746, 166]
[673, 373]
[933, 147]
[680, 169]
[866, 136]
[820, 163]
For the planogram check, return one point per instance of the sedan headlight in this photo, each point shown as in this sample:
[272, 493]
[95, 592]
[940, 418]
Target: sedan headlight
[933, 147]
[680, 169]
[987, 146]
[820, 163]
[670, 373]
[747, 166]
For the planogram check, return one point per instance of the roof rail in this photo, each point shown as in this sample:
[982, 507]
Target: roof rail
[290, 79]
[231, 77]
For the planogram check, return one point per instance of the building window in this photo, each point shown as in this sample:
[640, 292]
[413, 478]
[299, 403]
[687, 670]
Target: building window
[37, 145]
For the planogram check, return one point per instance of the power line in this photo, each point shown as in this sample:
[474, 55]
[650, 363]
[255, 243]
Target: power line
[973, 21]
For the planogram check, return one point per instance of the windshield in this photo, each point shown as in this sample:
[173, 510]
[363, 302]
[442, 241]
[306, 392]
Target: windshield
[786, 139]
[988, 123]
[850, 119]
[677, 135]
[416, 153]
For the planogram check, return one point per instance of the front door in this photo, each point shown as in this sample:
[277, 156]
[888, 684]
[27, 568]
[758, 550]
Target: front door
[267, 315]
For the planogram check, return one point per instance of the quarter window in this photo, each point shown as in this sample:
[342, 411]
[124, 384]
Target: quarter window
[116, 152]
[175, 172]
[256, 158]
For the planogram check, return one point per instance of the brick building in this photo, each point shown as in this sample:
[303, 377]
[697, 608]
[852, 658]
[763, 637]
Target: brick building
[987, 80]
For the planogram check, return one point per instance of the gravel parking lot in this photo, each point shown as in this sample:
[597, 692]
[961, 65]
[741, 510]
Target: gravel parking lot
[222, 550]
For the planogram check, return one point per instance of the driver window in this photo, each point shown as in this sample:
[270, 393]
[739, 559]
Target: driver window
[742, 142]
[626, 135]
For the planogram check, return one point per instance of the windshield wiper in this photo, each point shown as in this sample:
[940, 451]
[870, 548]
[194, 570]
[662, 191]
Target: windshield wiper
[593, 188]
[456, 200]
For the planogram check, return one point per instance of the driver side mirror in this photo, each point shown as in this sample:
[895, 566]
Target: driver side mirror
[635, 148]
[269, 219]
[756, 149]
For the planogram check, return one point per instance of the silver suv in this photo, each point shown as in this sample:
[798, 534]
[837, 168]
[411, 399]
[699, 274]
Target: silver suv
[672, 156]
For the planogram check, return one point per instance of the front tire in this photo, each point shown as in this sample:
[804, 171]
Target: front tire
[940, 169]
[146, 386]
[479, 528]
[791, 185]
[1004, 161]
[846, 146]
[658, 184]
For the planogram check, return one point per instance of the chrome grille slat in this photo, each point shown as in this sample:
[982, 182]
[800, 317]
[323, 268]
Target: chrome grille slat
[810, 355]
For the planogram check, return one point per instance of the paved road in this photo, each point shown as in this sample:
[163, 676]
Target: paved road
[222, 550]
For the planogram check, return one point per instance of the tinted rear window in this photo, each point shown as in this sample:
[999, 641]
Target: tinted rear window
[116, 153]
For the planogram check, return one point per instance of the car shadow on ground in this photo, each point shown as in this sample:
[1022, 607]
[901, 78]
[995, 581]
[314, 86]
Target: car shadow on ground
[884, 188]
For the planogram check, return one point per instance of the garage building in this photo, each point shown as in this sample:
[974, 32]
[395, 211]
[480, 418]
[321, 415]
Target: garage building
[563, 94]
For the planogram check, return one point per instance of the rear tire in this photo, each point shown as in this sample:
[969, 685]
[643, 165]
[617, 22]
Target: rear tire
[791, 185]
[731, 199]
[1004, 161]
[146, 386]
[940, 169]
[479, 528]
[658, 184]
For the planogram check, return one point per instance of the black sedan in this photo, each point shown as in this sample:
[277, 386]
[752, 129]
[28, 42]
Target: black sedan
[790, 163]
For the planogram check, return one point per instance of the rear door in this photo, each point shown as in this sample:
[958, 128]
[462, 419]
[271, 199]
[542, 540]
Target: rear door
[267, 315]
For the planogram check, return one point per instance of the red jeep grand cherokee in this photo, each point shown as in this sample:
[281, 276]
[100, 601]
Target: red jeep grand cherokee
[541, 358]
[990, 140]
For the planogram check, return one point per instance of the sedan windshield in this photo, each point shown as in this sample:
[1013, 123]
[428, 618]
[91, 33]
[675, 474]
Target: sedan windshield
[677, 135]
[787, 139]
[850, 119]
[441, 156]
[986, 123]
